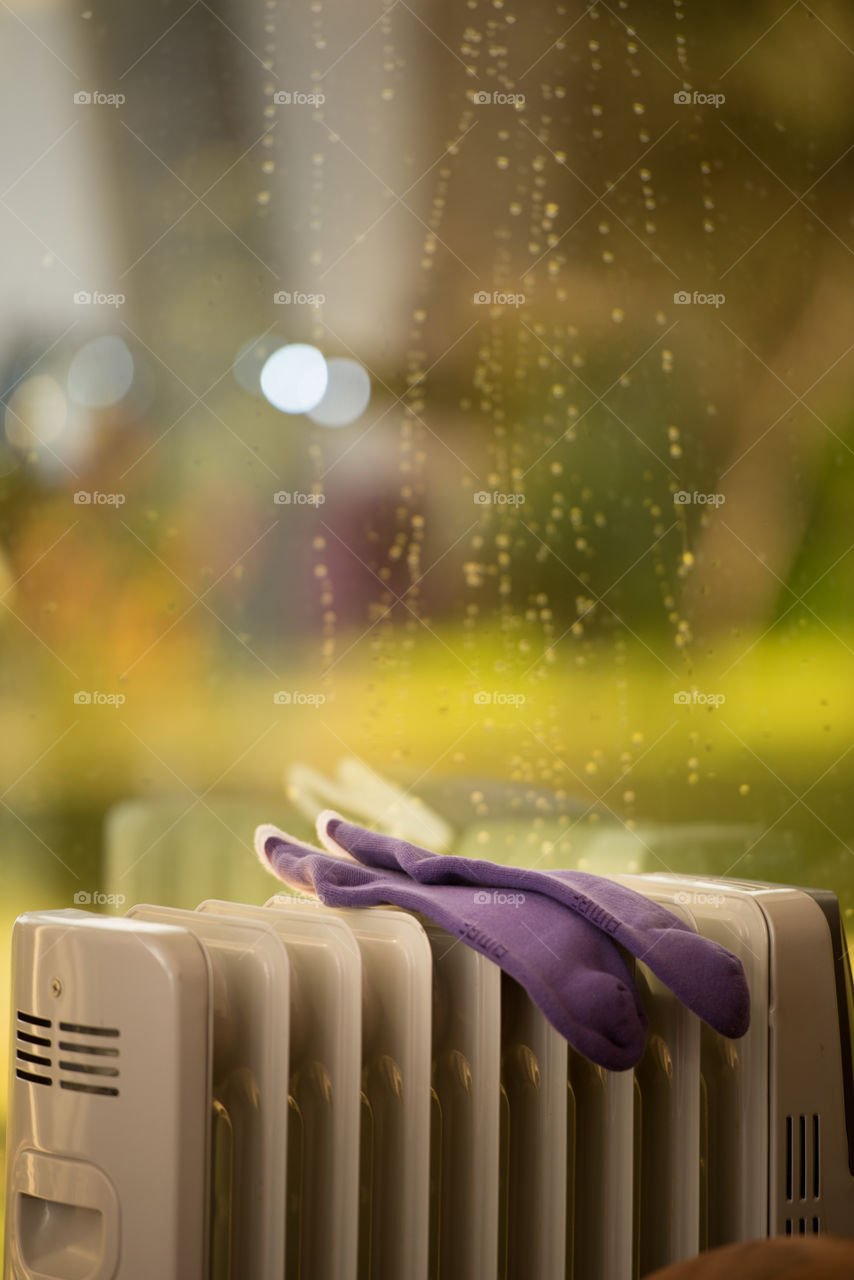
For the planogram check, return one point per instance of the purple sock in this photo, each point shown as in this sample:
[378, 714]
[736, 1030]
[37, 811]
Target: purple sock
[706, 977]
[573, 972]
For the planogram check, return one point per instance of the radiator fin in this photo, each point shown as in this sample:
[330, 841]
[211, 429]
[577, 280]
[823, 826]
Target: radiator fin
[296, 1173]
[222, 1191]
[366, 1179]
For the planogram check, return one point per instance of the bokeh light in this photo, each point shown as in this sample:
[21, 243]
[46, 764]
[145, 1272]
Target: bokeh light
[294, 378]
[348, 394]
[101, 373]
[36, 412]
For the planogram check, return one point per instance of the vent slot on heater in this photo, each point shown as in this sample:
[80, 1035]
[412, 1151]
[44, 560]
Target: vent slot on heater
[86, 1075]
[803, 1172]
[32, 1048]
[79, 1073]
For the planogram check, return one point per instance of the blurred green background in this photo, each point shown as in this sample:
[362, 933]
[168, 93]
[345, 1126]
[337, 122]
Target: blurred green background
[579, 575]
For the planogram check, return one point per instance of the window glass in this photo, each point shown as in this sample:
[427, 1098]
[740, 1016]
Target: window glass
[460, 390]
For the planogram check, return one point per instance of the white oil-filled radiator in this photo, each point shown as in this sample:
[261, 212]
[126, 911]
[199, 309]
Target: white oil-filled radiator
[290, 1091]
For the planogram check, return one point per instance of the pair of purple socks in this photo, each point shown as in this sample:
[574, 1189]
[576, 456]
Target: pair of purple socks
[560, 934]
